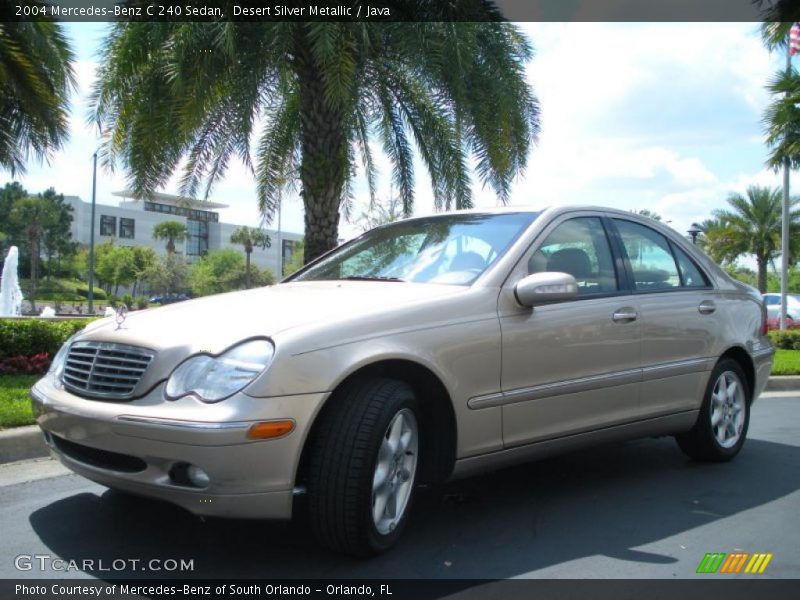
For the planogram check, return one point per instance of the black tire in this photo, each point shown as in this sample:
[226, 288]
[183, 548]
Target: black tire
[343, 460]
[701, 442]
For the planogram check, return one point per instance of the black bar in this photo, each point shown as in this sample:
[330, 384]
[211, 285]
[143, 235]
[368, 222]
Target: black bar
[703, 588]
[389, 10]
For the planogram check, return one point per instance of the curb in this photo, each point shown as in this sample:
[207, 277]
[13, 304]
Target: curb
[23, 443]
[783, 383]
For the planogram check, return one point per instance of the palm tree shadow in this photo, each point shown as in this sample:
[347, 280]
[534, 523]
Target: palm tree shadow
[607, 501]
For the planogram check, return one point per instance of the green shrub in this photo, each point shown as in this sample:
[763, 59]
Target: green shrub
[127, 300]
[142, 302]
[83, 292]
[785, 340]
[58, 296]
[62, 288]
[26, 337]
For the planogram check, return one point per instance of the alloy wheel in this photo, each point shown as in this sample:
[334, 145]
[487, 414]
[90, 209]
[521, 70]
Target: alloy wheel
[727, 409]
[395, 471]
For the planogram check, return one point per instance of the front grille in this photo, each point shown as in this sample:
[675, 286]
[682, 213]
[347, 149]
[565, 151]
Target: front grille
[105, 369]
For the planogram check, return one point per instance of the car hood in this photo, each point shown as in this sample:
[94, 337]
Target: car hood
[215, 322]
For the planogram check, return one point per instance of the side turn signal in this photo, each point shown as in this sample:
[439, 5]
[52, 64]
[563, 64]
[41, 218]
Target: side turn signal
[270, 429]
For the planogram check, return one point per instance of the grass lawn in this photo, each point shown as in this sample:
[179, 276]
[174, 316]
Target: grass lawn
[787, 362]
[15, 407]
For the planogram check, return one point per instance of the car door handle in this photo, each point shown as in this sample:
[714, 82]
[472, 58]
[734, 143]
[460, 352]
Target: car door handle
[707, 307]
[625, 315]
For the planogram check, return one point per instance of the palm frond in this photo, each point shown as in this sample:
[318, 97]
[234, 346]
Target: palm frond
[37, 78]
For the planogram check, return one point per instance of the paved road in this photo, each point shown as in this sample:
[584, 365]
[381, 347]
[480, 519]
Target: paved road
[635, 510]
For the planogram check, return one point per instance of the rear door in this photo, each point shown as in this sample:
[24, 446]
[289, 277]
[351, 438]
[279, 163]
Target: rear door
[678, 316]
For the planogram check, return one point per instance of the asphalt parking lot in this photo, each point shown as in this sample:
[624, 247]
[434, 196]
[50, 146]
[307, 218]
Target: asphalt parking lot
[634, 510]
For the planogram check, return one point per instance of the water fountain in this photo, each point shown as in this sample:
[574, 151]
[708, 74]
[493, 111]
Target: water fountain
[10, 292]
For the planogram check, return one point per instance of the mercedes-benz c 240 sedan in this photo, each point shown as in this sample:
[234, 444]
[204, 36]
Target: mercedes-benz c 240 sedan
[426, 349]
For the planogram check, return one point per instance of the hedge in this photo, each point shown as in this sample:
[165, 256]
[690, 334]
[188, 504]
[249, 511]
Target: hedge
[786, 340]
[83, 292]
[27, 337]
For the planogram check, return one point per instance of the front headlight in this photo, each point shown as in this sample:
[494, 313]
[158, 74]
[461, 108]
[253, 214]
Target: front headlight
[214, 378]
[57, 366]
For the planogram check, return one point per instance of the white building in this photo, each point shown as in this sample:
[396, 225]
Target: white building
[131, 224]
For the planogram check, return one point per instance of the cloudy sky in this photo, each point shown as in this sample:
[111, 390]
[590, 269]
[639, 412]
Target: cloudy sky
[655, 115]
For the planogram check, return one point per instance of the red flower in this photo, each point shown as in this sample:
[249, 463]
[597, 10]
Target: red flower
[25, 365]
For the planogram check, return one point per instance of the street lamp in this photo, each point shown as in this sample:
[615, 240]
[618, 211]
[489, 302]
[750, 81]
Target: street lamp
[90, 296]
[693, 231]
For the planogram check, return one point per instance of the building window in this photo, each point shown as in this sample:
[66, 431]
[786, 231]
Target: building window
[197, 244]
[127, 228]
[193, 214]
[108, 225]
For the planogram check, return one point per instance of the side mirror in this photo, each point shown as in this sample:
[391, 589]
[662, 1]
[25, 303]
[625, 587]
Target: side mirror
[544, 288]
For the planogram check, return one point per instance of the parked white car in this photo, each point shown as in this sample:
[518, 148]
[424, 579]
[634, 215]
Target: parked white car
[773, 304]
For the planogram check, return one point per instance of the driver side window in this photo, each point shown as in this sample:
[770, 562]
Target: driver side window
[579, 247]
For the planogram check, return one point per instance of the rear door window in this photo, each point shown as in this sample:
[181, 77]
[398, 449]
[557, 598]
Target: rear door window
[652, 264]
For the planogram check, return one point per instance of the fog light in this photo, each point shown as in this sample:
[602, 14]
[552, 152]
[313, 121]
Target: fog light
[197, 476]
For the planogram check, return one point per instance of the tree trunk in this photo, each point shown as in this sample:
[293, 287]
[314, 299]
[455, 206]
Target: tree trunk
[247, 269]
[323, 171]
[762, 275]
[170, 246]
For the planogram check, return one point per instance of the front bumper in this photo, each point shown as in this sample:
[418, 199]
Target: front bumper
[139, 446]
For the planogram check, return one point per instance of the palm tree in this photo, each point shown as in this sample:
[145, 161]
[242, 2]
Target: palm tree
[752, 226]
[778, 16]
[249, 237]
[321, 93]
[36, 77]
[782, 117]
[33, 216]
[782, 120]
[171, 231]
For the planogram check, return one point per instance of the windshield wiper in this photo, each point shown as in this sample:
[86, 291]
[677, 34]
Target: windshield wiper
[363, 278]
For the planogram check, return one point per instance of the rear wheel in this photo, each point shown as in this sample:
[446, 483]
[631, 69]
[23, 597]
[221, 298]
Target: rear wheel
[363, 467]
[721, 427]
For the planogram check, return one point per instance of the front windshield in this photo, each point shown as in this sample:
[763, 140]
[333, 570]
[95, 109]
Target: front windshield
[448, 249]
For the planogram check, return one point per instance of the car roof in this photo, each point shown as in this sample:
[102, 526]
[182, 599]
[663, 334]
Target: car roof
[528, 208]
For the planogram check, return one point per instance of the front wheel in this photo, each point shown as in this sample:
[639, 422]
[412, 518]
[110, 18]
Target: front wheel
[363, 467]
[721, 427]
